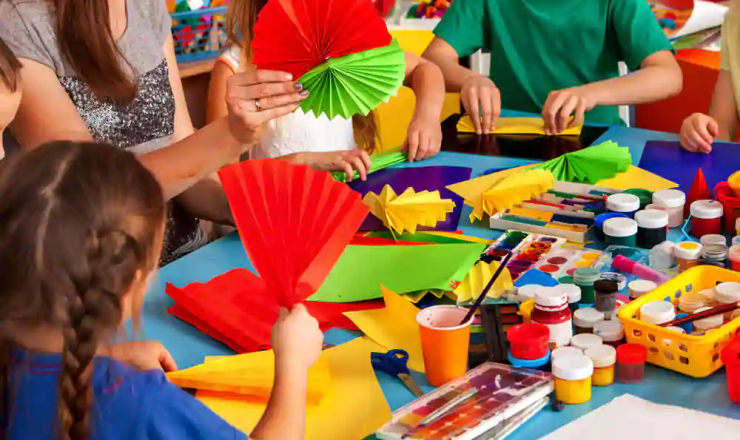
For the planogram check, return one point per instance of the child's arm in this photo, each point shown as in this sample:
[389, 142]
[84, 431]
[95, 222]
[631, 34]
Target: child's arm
[425, 132]
[296, 340]
[659, 77]
[698, 131]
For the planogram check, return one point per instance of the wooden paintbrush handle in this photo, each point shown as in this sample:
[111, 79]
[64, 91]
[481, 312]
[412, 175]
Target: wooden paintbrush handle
[714, 311]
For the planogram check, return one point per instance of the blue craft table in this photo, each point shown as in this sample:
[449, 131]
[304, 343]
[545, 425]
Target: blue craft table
[189, 346]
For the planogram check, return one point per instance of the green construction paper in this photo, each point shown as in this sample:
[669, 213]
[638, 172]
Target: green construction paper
[590, 165]
[356, 83]
[361, 270]
[378, 162]
[418, 237]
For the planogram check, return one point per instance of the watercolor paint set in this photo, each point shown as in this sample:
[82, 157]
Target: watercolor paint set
[490, 401]
[564, 261]
[567, 211]
[527, 248]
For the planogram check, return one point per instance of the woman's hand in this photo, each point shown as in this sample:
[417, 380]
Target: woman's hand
[144, 355]
[559, 107]
[424, 138]
[257, 96]
[698, 132]
[347, 161]
[482, 101]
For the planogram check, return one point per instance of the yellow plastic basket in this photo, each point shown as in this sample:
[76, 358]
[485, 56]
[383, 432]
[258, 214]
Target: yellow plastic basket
[696, 356]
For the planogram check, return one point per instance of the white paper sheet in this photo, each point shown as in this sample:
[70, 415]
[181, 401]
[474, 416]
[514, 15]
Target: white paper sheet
[629, 417]
[706, 15]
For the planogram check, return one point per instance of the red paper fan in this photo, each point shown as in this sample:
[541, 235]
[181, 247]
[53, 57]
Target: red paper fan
[236, 309]
[294, 223]
[297, 35]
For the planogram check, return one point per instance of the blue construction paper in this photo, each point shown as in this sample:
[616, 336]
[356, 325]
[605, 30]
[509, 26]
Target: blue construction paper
[421, 179]
[668, 160]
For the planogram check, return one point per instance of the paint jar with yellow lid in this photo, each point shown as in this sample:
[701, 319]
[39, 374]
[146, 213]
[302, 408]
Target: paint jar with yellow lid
[687, 254]
[604, 358]
[573, 378]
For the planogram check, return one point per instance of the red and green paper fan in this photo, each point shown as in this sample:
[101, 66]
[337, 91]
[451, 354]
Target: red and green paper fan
[340, 50]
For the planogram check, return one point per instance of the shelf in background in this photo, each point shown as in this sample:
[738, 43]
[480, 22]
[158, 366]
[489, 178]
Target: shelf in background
[194, 68]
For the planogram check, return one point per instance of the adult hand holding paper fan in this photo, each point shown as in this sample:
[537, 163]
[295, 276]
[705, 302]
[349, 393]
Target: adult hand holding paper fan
[410, 209]
[339, 49]
[294, 222]
[590, 165]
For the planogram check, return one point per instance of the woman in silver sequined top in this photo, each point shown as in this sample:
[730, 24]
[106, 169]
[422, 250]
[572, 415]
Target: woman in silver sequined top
[106, 70]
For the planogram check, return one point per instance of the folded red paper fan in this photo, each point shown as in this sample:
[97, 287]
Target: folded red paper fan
[297, 35]
[294, 223]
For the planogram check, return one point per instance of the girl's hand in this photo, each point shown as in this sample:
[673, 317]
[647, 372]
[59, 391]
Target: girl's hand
[424, 138]
[296, 339]
[697, 133]
[257, 96]
[559, 107]
[144, 355]
[347, 161]
[482, 101]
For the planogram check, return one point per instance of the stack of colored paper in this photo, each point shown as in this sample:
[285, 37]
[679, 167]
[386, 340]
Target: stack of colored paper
[590, 165]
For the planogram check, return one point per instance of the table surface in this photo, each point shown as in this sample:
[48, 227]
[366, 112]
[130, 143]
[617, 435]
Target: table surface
[189, 346]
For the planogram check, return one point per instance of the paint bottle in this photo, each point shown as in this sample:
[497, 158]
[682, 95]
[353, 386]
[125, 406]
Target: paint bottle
[735, 257]
[672, 201]
[585, 278]
[528, 341]
[599, 222]
[551, 309]
[652, 228]
[691, 302]
[631, 360]
[637, 288]
[585, 319]
[706, 217]
[701, 326]
[611, 332]
[585, 341]
[565, 351]
[527, 292]
[727, 293]
[604, 358]
[574, 295]
[573, 378]
[606, 296]
[687, 254]
[657, 312]
[714, 255]
[624, 203]
[620, 232]
[711, 239]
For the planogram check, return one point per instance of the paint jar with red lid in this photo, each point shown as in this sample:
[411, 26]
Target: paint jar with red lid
[631, 360]
[551, 309]
[706, 217]
[528, 341]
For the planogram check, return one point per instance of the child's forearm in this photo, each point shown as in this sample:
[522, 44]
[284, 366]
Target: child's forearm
[285, 416]
[427, 83]
[723, 108]
[650, 83]
[446, 58]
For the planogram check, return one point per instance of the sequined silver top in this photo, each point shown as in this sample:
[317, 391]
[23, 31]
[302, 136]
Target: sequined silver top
[145, 124]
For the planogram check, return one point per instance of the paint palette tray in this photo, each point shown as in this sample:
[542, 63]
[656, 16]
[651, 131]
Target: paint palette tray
[493, 400]
[527, 248]
[564, 261]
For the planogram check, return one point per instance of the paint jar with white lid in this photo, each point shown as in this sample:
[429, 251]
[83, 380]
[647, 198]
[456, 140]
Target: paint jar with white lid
[727, 293]
[585, 341]
[620, 232]
[652, 228]
[706, 218]
[610, 332]
[586, 318]
[672, 201]
[627, 204]
[573, 378]
[701, 326]
[657, 312]
[637, 288]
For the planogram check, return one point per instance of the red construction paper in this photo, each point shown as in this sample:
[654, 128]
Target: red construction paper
[698, 191]
[297, 35]
[294, 223]
[362, 240]
[234, 308]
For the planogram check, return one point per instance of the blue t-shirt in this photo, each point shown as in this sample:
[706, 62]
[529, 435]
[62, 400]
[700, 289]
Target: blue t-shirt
[127, 404]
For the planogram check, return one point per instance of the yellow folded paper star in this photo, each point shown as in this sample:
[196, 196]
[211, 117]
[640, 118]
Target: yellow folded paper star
[409, 210]
[478, 278]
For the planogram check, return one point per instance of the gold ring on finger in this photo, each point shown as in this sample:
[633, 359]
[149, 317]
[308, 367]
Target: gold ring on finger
[257, 105]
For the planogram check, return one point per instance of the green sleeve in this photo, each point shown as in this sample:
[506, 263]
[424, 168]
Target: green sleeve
[462, 26]
[636, 31]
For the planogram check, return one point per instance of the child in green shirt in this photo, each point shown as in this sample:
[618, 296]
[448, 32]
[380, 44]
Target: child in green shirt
[555, 57]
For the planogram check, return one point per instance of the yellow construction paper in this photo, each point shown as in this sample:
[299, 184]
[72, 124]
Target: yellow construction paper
[410, 209]
[478, 277]
[516, 126]
[354, 406]
[249, 374]
[393, 326]
[636, 177]
[462, 237]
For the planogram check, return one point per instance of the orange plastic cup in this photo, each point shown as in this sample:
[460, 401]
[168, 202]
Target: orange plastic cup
[444, 342]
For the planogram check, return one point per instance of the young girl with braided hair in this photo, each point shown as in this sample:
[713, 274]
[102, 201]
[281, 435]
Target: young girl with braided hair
[81, 227]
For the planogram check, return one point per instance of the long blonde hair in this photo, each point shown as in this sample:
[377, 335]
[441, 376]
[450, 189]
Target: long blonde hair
[241, 16]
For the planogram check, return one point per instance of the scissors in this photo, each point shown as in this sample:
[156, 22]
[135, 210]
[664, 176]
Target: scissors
[395, 363]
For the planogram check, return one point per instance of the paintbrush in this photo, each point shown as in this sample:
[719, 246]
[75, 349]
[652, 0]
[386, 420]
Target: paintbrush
[714, 311]
[479, 301]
